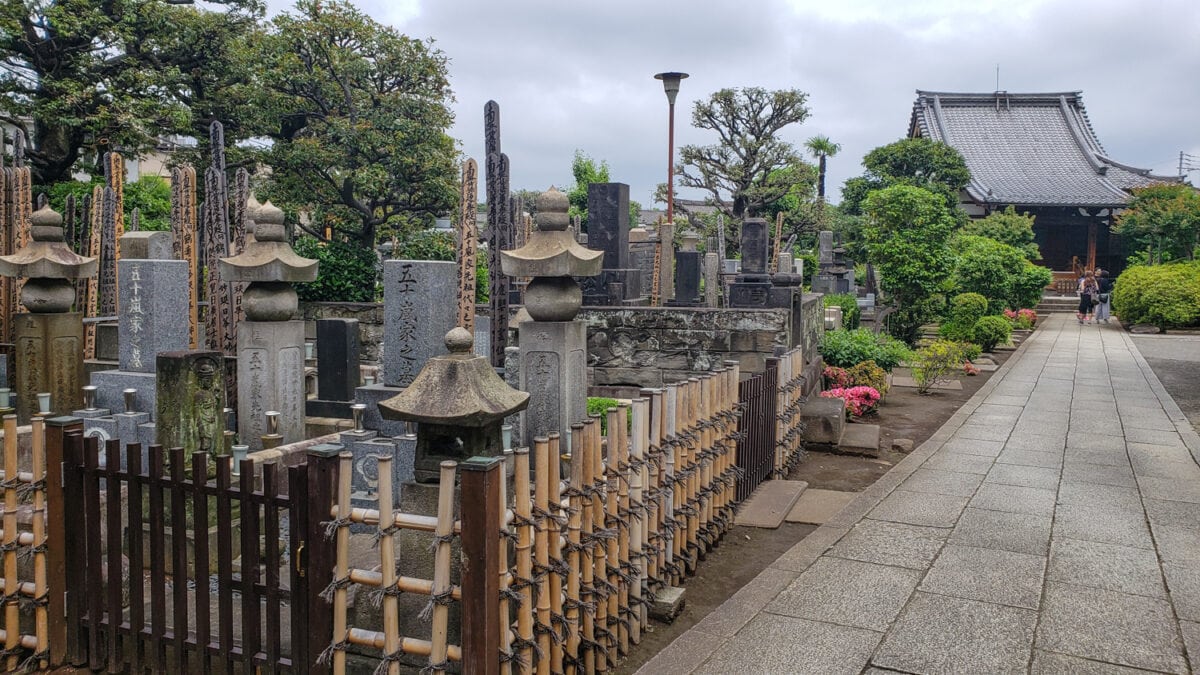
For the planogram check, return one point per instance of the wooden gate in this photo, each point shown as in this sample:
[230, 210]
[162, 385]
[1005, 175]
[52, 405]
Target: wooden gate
[177, 564]
[756, 428]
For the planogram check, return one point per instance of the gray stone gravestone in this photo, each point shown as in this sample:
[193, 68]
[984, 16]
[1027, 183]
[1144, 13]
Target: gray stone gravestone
[337, 368]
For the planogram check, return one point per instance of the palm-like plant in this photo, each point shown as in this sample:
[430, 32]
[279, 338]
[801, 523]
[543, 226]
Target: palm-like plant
[821, 147]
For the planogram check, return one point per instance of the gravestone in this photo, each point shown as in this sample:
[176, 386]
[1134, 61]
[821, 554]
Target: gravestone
[337, 368]
[712, 279]
[191, 400]
[419, 300]
[608, 232]
[753, 285]
[149, 290]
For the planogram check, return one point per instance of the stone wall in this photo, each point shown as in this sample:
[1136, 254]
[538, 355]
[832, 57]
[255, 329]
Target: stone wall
[370, 323]
[650, 346]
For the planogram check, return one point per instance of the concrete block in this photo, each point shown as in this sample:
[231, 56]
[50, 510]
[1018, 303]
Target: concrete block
[667, 603]
[824, 420]
[860, 439]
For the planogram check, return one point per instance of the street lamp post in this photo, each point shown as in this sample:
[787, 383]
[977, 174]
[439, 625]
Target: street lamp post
[671, 86]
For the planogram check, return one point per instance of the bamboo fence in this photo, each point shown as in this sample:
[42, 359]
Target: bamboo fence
[21, 596]
[641, 506]
[789, 433]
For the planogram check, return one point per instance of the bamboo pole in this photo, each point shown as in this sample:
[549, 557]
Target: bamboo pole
[618, 546]
[40, 591]
[341, 571]
[442, 594]
[600, 551]
[671, 488]
[656, 490]
[637, 517]
[541, 549]
[505, 584]
[554, 535]
[12, 616]
[582, 455]
[387, 566]
[575, 564]
[524, 513]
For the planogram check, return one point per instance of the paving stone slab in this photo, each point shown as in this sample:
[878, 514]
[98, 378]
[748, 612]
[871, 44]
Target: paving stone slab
[941, 634]
[1034, 443]
[1191, 638]
[1110, 496]
[848, 593]
[984, 432]
[1172, 513]
[1184, 582]
[919, 508]
[1038, 428]
[1153, 437]
[988, 575]
[1089, 441]
[1028, 476]
[971, 446]
[1130, 630]
[1104, 524]
[1178, 544]
[783, 644]
[953, 461]
[1017, 532]
[683, 655]
[940, 482]
[1049, 460]
[860, 439]
[1001, 399]
[879, 541]
[1158, 422]
[1104, 457]
[770, 503]
[1049, 663]
[910, 383]
[1101, 474]
[818, 506]
[1172, 489]
[1124, 569]
[1015, 499]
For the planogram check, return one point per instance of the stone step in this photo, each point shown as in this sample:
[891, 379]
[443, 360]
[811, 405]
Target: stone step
[860, 439]
[770, 504]
[816, 507]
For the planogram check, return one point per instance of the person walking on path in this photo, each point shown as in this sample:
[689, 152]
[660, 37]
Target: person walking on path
[1089, 291]
[1104, 285]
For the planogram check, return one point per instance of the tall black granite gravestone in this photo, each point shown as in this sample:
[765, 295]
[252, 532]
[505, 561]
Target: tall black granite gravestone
[753, 285]
[608, 231]
[337, 368]
[688, 270]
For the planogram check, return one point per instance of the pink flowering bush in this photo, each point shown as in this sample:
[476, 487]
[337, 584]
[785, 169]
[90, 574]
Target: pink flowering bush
[836, 377]
[1024, 319]
[970, 368]
[859, 400]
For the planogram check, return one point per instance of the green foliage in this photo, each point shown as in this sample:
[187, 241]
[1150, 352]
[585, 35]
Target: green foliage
[869, 374]
[1163, 220]
[150, 195]
[1007, 227]
[991, 331]
[997, 271]
[85, 76]
[586, 171]
[597, 405]
[849, 304]
[937, 362]
[821, 148]
[965, 310]
[918, 162]
[848, 348]
[906, 238]
[1164, 295]
[358, 117]
[971, 351]
[426, 245]
[740, 172]
[348, 272]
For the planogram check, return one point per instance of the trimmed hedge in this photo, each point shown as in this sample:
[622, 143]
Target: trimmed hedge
[1167, 296]
[848, 348]
[991, 331]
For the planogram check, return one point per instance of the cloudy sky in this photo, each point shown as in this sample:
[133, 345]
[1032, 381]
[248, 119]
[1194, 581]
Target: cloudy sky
[578, 75]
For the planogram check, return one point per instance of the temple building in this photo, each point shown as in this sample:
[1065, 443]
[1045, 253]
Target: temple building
[1038, 153]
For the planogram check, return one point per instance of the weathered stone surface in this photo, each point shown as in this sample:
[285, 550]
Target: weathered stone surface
[49, 358]
[419, 298]
[667, 603]
[755, 243]
[149, 323]
[554, 372]
[111, 383]
[687, 278]
[608, 223]
[190, 400]
[370, 323]
[271, 377]
[824, 420]
[147, 245]
[337, 364]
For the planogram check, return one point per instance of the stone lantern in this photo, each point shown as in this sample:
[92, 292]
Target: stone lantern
[553, 346]
[458, 403]
[49, 339]
[270, 345]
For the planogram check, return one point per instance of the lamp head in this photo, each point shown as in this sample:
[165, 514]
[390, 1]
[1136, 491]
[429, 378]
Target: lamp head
[671, 84]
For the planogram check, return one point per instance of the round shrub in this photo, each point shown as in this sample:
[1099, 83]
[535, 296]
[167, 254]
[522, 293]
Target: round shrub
[936, 362]
[848, 348]
[965, 310]
[970, 351]
[348, 272]
[849, 304]
[991, 331]
[869, 374]
[1164, 295]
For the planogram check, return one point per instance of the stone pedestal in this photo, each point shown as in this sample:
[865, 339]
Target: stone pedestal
[270, 377]
[110, 385]
[337, 368]
[191, 400]
[712, 279]
[366, 446]
[419, 301]
[49, 357]
[371, 395]
[554, 372]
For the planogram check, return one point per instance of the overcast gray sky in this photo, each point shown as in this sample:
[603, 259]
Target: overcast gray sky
[571, 75]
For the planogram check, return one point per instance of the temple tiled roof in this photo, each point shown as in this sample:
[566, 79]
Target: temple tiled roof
[1027, 149]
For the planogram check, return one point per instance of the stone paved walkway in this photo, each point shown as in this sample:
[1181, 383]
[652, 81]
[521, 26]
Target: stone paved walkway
[1051, 526]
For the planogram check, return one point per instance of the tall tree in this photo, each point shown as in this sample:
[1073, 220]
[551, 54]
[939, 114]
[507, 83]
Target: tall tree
[358, 114]
[1164, 221]
[81, 77]
[821, 148]
[1007, 227]
[740, 172]
[919, 162]
[586, 171]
